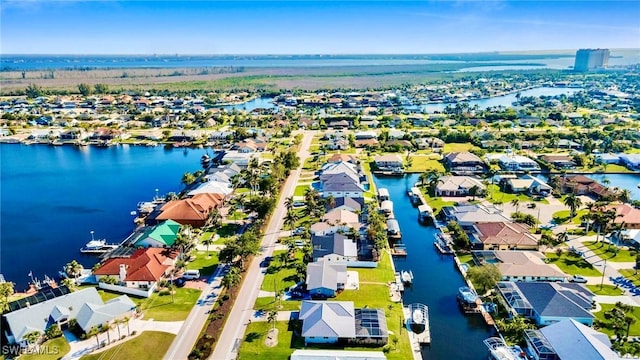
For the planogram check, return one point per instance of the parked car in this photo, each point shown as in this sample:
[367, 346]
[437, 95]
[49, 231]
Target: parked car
[299, 243]
[578, 279]
[298, 231]
[191, 274]
[265, 263]
[179, 282]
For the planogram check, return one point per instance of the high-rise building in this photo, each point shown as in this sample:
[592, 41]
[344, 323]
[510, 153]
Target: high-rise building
[591, 59]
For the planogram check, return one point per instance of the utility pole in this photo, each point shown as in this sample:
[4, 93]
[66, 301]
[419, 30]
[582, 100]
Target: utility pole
[604, 269]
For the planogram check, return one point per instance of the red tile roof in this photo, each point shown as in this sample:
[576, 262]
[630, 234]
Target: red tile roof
[626, 213]
[143, 265]
[504, 233]
[196, 208]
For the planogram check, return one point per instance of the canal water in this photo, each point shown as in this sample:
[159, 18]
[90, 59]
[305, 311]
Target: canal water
[52, 197]
[436, 282]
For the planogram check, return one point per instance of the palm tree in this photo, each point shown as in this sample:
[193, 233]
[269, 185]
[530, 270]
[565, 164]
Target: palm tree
[288, 203]
[73, 269]
[290, 219]
[473, 191]
[207, 242]
[272, 317]
[188, 179]
[424, 177]
[516, 203]
[6, 290]
[433, 179]
[70, 284]
[94, 331]
[624, 195]
[33, 337]
[331, 201]
[573, 202]
[126, 320]
[106, 327]
[232, 278]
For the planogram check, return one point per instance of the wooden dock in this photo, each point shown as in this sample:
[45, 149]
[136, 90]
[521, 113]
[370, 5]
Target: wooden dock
[398, 250]
[479, 308]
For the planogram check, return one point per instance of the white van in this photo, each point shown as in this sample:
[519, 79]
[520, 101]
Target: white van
[191, 274]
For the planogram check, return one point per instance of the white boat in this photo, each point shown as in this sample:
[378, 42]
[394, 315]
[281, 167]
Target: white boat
[499, 350]
[417, 317]
[407, 276]
[97, 247]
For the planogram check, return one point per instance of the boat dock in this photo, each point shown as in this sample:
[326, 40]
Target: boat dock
[419, 333]
[443, 243]
[425, 212]
[479, 307]
[398, 250]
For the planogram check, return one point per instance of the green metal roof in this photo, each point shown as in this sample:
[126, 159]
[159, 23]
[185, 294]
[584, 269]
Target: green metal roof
[165, 233]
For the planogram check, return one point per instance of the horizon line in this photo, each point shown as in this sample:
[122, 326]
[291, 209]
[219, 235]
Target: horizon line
[307, 54]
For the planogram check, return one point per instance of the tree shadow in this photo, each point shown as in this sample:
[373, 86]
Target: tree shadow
[252, 336]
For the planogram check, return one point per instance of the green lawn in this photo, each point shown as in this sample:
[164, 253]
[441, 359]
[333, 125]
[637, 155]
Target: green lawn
[631, 275]
[269, 303]
[206, 262]
[608, 290]
[436, 203]
[494, 195]
[572, 265]
[634, 330]
[149, 345]
[54, 348]
[300, 190]
[611, 252]
[253, 346]
[453, 147]
[283, 278]
[466, 258]
[237, 215]
[422, 163]
[381, 274]
[162, 308]
[564, 216]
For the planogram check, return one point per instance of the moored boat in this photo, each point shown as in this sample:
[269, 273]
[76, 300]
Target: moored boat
[97, 247]
[499, 350]
[407, 276]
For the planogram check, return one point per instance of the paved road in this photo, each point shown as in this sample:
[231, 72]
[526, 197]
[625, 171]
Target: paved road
[227, 344]
[188, 334]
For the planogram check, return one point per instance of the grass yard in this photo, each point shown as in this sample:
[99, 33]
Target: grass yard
[56, 349]
[634, 330]
[206, 262]
[253, 346]
[611, 252]
[300, 189]
[608, 290]
[284, 277]
[161, 308]
[422, 163]
[572, 265]
[381, 274]
[564, 216]
[269, 303]
[466, 258]
[454, 147]
[149, 345]
[496, 196]
[631, 275]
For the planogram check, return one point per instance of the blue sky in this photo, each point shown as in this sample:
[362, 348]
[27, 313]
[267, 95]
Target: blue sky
[313, 27]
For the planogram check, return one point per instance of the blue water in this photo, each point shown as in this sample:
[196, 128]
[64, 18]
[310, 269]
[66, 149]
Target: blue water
[257, 103]
[53, 196]
[622, 181]
[504, 100]
[435, 284]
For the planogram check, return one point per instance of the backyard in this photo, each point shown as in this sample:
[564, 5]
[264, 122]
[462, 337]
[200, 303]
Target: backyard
[149, 345]
[606, 326]
[162, 307]
[611, 252]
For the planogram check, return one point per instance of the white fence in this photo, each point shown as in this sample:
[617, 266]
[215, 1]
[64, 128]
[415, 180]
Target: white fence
[127, 290]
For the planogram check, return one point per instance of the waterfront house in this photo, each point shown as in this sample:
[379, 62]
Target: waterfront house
[192, 211]
[355, 205]
[332, 322]
[338, 158]
[517, 163]
[567, 340]
[351, 169]
[363, 135]
[559, 161]
[368, 143]
[631, 161]
[325, 278]
[582, 185]
[548, 302]
[238, 158]
[220, 189]
[469, 214]
[432, 143]
[461, 163]
[502, 236]
[139, 273]
[161, 235]
[392, 161]
[458, 186]
[86, 306]
[518, 265]
[334, 247]
[342, 185]
[324, 354]
[626, 215]
[340, 216]
[525, 184]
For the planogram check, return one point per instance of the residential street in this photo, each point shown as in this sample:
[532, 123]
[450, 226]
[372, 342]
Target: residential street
[228, 342]
[188, 334]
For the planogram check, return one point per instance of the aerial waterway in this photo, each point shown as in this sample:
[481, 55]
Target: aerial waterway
[436, 282]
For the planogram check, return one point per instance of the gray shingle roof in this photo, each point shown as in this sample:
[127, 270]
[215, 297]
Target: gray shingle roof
[328, 319]
[557, 299]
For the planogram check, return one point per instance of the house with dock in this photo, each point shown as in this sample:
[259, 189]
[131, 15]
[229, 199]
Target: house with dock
[464, 163]
[325, 278]
[516, 265]
[502, 236]
[160, 236]
[338, 322]
[548, 302]
[334, 247]
[459, 186]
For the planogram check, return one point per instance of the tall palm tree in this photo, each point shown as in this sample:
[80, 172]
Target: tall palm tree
[272, 317]
[288, 203]
[208, 242]
[290, 219]
[473, 191]
[516, 202]
[331, 201]
[573, 202]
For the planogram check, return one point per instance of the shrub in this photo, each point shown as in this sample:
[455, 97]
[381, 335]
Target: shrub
[133, 333]
[225, 297]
